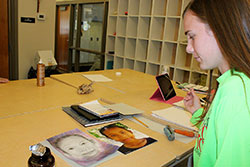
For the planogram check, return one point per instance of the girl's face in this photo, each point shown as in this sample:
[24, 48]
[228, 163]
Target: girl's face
[120, 134]
[78, 147]
[202, 44]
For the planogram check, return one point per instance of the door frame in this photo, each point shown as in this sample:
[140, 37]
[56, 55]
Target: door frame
[13, 39]
[76, 48]
[57, 28]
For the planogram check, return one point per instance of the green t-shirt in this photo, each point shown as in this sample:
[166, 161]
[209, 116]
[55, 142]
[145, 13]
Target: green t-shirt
[224, 134]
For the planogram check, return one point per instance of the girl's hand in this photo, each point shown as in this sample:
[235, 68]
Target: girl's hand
[192, 101]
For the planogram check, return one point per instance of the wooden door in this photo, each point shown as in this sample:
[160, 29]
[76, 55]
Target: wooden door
[4, 58]
[62, 36]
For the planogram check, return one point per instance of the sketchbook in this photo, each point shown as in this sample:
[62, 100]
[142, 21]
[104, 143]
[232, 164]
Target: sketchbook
[175, 116]
[86, 122]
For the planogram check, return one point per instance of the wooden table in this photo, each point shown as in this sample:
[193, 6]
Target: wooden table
[23, 96]
[31, 114]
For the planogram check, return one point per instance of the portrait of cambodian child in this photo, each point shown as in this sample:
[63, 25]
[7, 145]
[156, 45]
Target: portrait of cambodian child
[80, 147]
[130, 139]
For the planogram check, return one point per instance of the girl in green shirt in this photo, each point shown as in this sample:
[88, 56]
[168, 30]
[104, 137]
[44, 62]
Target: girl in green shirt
[218, 37]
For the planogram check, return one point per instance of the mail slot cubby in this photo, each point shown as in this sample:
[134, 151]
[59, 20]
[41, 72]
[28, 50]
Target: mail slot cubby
[157, 29]
[181, 75]
[123, 7]
[109, 61]
[132, 25]
[112, 22]
[141, 49]
[119, 46]
[134, 6]
[130, 47]
[129, 63]
[153, 69]
[144, 27]
[145, 7]
[118, 62]
[169, 53]
[183, 59]
[172, 29]
[198, 78]
[154, 53]
[174, 8]
[110, 46]
[121, 26]
[140, 66]
[113, 7]
[160, 7]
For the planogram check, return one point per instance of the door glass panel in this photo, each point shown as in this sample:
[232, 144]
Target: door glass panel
[91, 26]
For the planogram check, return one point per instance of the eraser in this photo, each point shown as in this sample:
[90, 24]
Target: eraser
[118, 73]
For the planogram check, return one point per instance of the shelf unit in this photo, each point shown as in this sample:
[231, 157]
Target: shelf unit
[148, 36]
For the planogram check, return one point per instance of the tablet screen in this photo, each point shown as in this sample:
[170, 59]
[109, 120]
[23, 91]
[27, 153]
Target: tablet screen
[165, 86]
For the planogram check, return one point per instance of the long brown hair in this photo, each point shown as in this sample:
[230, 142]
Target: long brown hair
[229, 21]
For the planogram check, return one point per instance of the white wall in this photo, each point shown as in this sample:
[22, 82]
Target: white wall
[34, 36]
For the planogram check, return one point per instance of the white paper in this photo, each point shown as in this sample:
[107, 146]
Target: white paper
[97, 77]
[96, 108]
[47, 57]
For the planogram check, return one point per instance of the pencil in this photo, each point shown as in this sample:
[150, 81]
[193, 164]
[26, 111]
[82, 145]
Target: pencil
[140, 121]
[109, 102]
[106, 101]
[187, 89]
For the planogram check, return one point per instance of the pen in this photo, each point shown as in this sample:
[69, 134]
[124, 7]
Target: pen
[140, 121]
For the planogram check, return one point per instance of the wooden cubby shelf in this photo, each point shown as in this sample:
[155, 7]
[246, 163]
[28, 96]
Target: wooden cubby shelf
[148, 36]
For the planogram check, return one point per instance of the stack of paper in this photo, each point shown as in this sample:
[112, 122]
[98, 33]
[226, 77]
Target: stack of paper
[97, 109]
